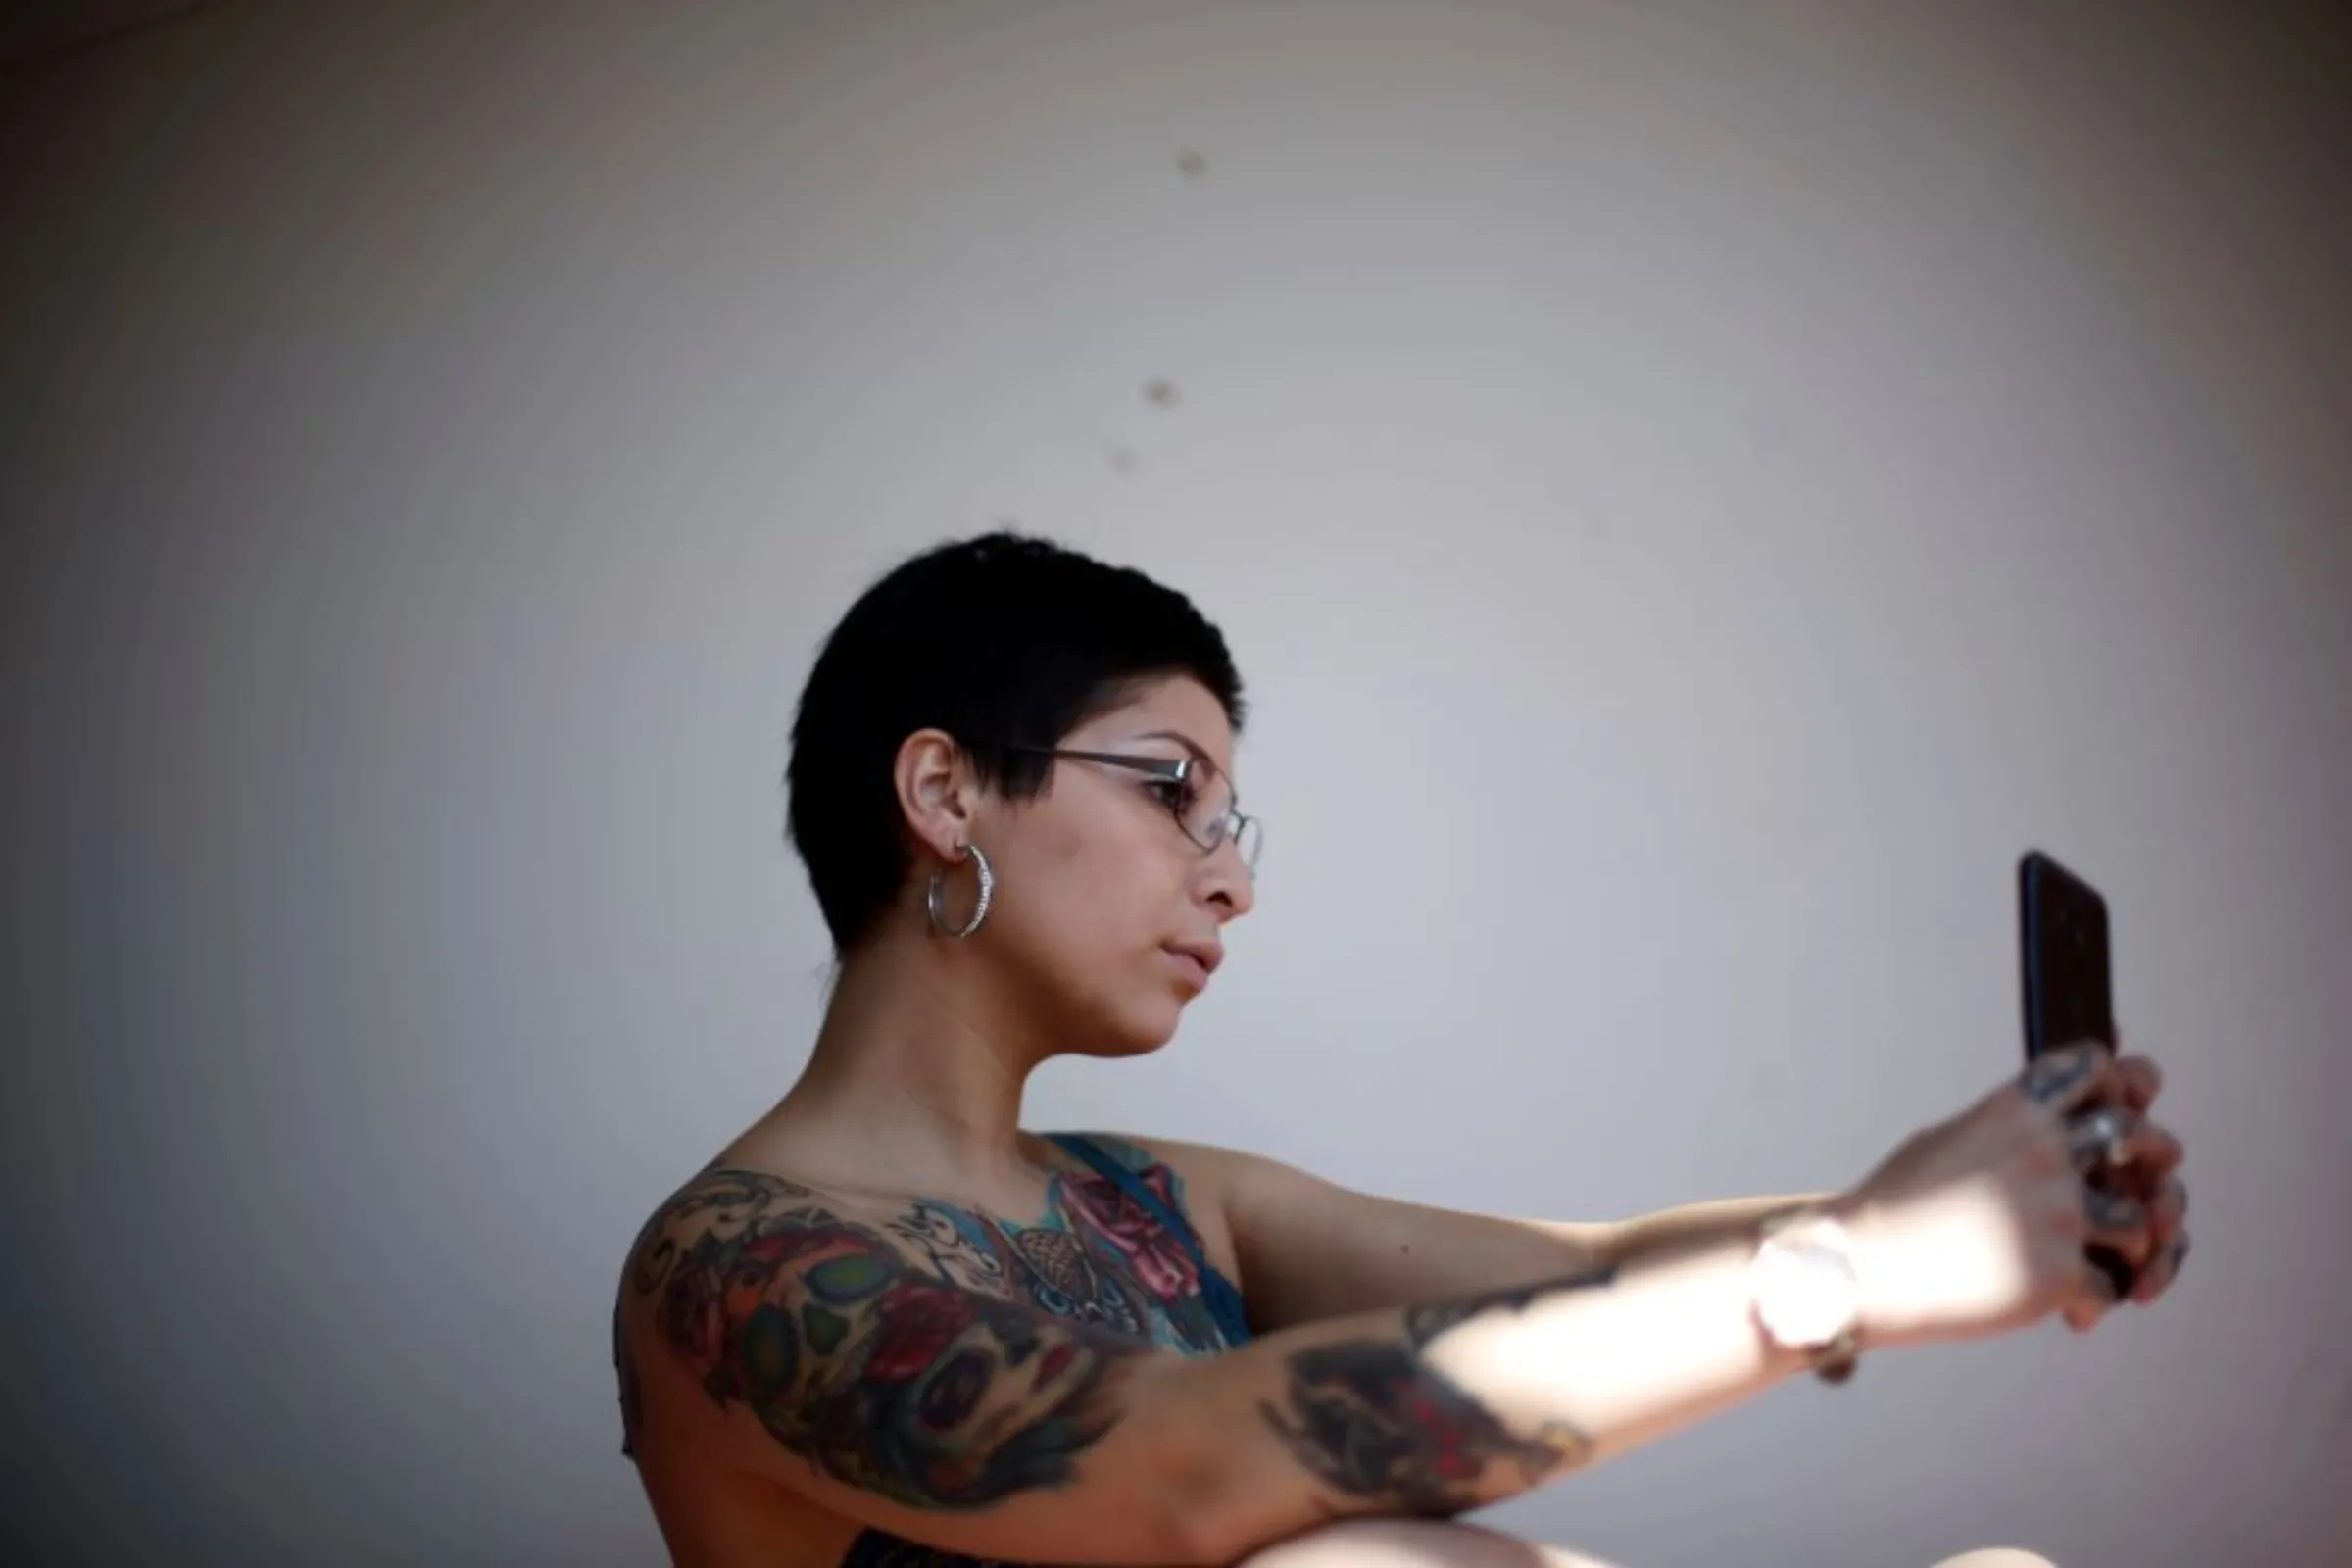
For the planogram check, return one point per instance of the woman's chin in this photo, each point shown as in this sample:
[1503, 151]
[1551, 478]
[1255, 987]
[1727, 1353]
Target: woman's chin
[1137, 1031]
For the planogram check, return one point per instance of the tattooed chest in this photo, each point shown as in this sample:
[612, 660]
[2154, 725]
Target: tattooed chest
[1116, 1280]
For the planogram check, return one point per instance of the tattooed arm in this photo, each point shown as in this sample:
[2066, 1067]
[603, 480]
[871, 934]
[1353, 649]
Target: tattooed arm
[882, 1370]
[877, 1376]
[866, 1370]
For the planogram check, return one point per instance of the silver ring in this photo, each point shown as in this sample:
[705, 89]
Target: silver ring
[2104, 1137]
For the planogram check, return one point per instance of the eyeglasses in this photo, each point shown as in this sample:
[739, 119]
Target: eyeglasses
[1195, 793]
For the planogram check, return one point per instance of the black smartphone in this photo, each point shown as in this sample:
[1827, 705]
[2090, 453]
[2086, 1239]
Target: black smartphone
[2069, 984]
[2069, 980]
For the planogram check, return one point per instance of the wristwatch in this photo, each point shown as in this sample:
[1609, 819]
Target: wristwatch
[1806, 1296]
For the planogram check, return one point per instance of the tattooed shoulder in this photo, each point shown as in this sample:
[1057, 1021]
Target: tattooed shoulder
[871, 1347]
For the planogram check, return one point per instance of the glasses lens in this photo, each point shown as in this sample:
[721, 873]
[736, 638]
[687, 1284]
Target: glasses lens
[1208, 817]
[1208, 813]
[1249, 840]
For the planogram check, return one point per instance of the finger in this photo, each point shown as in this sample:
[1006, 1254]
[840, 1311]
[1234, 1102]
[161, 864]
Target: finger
[2068, 1078]
[2087, 1312]
[2147, 1180]
[2140, 1081]
[2153, 1153]
[2118, 1224]
[2167, 1240]
[2157, 1277]
[2118, 1144]
[2105, 1280]
[2171, 1207]
[2100, 1138]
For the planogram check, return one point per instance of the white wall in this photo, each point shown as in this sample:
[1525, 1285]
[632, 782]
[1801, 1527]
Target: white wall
[1696, 491]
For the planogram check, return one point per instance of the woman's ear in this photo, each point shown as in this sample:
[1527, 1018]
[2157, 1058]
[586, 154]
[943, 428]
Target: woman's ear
[938, 793]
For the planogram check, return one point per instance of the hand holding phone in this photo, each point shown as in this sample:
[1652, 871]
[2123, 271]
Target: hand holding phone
[2069, 991]
[2072, 1130]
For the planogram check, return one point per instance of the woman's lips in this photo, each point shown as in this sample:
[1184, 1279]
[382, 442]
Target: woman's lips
[1195, 965]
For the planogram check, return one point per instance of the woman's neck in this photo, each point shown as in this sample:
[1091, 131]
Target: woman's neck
[917, 1076]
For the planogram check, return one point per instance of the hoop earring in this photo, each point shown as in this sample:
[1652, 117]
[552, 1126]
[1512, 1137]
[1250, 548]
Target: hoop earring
[932, 905]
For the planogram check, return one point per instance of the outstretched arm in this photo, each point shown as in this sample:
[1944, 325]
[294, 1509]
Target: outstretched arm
[1695, 1224]
[1311, 1249]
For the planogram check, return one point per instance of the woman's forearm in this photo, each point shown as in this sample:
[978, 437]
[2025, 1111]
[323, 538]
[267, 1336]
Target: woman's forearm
[1694, 1225]
[1625, 1241]
[1457, 1404]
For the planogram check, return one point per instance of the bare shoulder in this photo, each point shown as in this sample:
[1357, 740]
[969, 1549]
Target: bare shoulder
[1195, 1174]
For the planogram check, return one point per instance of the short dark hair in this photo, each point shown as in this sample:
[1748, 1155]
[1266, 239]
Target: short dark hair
[1002, 641]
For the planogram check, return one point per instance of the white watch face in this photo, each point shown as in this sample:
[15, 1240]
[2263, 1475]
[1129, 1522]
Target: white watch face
[1806, 1295]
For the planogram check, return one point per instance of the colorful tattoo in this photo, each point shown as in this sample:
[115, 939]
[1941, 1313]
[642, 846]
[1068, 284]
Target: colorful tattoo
[1372, 1419]
[944, 1359]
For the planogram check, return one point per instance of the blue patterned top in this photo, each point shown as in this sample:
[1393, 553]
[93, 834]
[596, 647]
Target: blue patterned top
[1204, 1323]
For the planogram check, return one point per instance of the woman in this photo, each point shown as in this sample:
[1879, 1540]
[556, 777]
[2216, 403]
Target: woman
[889, 1325]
